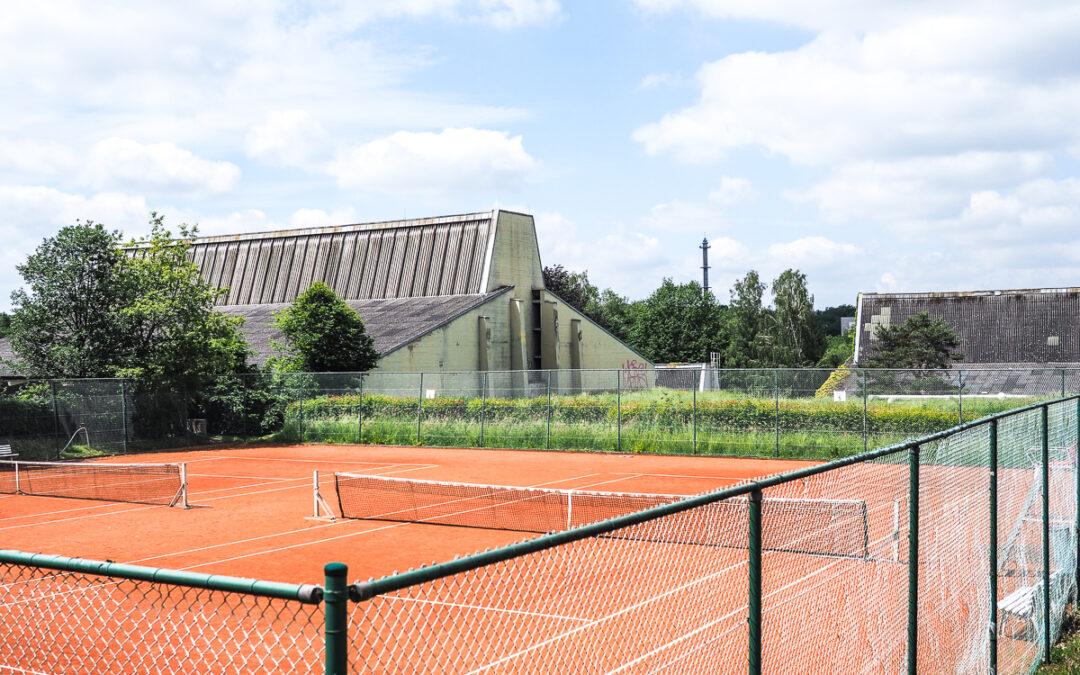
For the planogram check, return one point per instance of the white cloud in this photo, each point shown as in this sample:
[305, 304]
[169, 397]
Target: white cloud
[287, 137]
[36, 157]
[319, 218]
[811, 252]
[453, 159]
[122, 162]
[660, 80]
[248, 220]
[684, 216]
[731, 190]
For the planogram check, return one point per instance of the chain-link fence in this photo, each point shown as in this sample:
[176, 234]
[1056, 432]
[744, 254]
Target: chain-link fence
[952, 552]
[794, 413]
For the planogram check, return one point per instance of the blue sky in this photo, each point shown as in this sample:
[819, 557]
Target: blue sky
[874, 145]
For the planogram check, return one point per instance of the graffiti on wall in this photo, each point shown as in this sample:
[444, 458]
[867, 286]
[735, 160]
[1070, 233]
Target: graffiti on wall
[632, 374]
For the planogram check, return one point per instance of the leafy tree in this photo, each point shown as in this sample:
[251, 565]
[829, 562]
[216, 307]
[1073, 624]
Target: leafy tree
[173, 331]
[573, 287]
[5, 324]
[678, 323]
[324, 334]
[617, 313]
[746, 323]
[828, 319]
[67, 321]
[838, 349]
[795, 338]
[920, 342]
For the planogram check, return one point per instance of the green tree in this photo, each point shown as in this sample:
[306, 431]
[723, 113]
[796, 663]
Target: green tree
[174, 334]
[795, 338]
[324, 334]
[828, 319]
[838, 349]
[5, 324]
[746, 321]
[67, 320]
[678, 323]
[920, 342]
[617, 313]
[573, 287]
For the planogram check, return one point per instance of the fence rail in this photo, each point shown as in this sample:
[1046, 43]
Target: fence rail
[970, 560]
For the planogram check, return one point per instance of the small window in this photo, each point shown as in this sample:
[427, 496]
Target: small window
[1053, 341]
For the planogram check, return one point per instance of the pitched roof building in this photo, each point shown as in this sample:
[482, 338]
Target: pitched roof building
[1008, 327]
[452, 293]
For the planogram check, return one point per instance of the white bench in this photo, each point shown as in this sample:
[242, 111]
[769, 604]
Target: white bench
[1024, 604]
[6, 453]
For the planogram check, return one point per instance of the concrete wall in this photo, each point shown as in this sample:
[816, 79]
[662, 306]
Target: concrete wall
[515, 261]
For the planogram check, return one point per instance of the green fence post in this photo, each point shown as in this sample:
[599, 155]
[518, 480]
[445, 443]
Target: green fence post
[1077, 439]
[618, 409]
[56, 419]
[1046, 530]
[419, 410]
[993, 546]
[865, 429]
[360, 413]
[960, 394]
[336, 606]
[753, 604]
[483, 405]
[913, 561]
[547, 430]
[123, 414]
[693, 419]
[776, 421]
[1062, 383]
[300, 412]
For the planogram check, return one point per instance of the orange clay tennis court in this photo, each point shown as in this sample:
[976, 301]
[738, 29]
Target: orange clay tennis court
[251, 513]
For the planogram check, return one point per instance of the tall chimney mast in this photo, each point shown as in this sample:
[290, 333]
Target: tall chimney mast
[705, 265]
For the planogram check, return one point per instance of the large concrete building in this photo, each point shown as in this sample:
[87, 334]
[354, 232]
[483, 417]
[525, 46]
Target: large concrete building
[452, 293]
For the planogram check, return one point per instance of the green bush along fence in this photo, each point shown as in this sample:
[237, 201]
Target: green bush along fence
[798, 413]
[955, 551]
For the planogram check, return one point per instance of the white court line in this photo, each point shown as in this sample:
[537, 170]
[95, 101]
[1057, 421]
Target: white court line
[305, 484]
[682, 475]
[503, 610]
[14, 669]
[317, 461]
[226, 475]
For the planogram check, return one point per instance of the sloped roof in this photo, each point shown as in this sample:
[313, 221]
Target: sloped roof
[391, 322]
[422, 257]
[7, 359]
[1039, 325]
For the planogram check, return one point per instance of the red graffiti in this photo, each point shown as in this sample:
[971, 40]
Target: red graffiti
[632, 374]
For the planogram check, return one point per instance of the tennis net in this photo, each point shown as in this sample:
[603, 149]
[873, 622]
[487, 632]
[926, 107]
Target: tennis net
[164, 484]
[834, 527]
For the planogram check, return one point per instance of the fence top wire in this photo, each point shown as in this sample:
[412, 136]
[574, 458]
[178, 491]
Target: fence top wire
[305, 593]
[366, 590]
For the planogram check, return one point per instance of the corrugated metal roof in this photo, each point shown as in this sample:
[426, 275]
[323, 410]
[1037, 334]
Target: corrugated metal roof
[1011, 326]
[391, 322]
[394, 259]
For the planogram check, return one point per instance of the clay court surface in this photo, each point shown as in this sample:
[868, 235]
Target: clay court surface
[251, 507]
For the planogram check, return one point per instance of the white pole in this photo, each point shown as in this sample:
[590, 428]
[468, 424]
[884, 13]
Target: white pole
[896, 530]
[183, 486]
[18, 488]
[569, 510]
[315, 493]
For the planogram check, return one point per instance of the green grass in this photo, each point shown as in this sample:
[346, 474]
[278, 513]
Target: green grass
[1065, 656]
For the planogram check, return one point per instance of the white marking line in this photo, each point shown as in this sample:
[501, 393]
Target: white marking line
[642, 603]
[484, 608]
[371, 531]
[226, 475]
[681, 475]
[318, 461]
[303, 483]
[14, 669]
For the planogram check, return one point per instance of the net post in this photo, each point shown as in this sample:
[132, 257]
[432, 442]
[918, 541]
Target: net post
[420, 409]
[569, 509]
[547, 429]
[183, 486]
[336, 607]
[618, 409]
[776, 421]
[1045, 410]
[913, 561]
[18, 486]
[753, 604]
[315, 493]
[993, 657]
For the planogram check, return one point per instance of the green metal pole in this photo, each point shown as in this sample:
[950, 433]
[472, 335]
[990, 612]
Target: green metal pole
[993, 546]
[776, 421]
[419, 409]
[1077, 439]
[336, 606]
[483, 405]
[754, 601]
[913, 562]
[1062, 383]
[618, 408]
[865, 429]
[123, 414]
[360, 413]
[694, 421]
[1046, 530]
[960, 394]
[547, 432]
[300, 400]
[56, 419]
